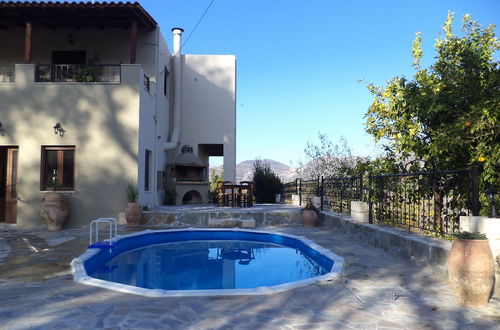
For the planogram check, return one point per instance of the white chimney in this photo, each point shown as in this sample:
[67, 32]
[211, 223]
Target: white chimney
[177, 32]
[177, 62]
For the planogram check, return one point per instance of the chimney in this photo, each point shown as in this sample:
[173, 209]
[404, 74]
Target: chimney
[177, 63]
[177, 32]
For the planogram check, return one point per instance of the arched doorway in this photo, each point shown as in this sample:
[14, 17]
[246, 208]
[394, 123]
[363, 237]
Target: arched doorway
[192, 197]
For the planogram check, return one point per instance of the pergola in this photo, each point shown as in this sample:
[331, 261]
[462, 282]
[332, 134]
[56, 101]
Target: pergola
[75, 15]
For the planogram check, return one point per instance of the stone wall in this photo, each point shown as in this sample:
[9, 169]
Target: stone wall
[425, 251]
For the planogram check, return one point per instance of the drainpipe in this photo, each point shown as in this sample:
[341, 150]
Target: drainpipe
[174, 138]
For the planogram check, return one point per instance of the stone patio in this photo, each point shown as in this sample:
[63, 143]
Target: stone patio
[377, 291]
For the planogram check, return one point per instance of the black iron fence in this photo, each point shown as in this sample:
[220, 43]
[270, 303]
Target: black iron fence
[109, 73]
[335, 194]
[308, 189]
[423, 202]
[290, 189]
[338, 193]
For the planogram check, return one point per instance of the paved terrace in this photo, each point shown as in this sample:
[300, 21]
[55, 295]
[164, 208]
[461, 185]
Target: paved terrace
[377, 291]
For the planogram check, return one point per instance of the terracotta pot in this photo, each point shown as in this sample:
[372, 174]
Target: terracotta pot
[309, 218]
[54, 210]
[471, 271]
[133, 214]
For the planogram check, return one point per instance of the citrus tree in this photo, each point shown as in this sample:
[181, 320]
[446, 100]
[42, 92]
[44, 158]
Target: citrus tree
[448, 115]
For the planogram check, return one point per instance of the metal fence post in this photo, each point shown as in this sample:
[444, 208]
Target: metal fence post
[370, 181]
[475, 190]
[322, 193]
[300, 192]
[341, 195]
[361, 186]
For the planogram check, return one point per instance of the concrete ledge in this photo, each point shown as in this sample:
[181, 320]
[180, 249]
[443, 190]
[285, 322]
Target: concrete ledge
[217, 217]
[423, 251]
[229, 223]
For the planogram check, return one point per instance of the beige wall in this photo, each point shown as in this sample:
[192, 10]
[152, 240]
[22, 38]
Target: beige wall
[209, 105]
[101, 120]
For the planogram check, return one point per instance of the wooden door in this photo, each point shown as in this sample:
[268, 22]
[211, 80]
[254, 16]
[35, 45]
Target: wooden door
[8, 191]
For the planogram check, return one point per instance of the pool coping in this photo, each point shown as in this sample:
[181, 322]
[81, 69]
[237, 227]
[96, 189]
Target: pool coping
[80, 274]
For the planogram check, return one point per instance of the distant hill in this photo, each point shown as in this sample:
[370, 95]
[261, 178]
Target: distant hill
[244, 170]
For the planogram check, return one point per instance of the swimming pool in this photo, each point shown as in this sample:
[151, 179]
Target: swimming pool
[206, 261]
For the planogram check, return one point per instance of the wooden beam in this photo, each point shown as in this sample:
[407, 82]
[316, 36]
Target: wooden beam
[27, 43]
[133, 42]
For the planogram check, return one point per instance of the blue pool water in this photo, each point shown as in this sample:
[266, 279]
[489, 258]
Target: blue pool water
[211, 264]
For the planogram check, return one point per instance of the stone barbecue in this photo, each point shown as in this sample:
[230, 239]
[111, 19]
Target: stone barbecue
[188, 176]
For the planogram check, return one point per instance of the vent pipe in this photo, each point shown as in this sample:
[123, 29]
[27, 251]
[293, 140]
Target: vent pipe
[177, 61]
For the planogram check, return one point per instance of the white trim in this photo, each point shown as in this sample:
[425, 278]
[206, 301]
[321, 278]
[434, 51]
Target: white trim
[80, 274]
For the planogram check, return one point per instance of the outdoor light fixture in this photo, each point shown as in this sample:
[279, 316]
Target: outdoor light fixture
[58, 129]
[490, 193]
[2, 130]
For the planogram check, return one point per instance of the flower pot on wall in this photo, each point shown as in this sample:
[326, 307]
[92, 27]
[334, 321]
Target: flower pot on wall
[133, 214]
[309, 218]
[54, 210]
[471, 271]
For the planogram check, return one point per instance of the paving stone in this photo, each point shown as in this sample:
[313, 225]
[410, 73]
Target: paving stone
[59, 303]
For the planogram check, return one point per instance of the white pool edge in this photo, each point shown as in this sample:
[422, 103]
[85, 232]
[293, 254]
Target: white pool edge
[80, 274]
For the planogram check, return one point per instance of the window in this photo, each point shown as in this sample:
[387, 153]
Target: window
[165, 81]
[58, 168]
[147, 170]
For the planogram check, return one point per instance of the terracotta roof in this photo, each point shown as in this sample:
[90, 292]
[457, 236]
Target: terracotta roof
[51, 14]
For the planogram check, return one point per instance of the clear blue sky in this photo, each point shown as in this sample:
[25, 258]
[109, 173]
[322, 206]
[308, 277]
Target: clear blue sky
[299, 61]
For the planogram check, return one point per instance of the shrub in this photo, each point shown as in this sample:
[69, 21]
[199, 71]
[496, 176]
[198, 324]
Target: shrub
[267, 183]
[469, 235]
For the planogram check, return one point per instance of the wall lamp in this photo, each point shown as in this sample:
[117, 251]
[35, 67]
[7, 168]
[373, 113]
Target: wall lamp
[490, 193]
[2, 130]
[58, 129]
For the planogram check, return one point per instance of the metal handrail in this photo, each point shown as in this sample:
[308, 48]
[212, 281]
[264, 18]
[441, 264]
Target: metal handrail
[89, 73]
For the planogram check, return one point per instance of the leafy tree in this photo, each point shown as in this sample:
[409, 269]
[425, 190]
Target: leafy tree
[448, 116]
[267, 183]
[328, 159]
[215, 176]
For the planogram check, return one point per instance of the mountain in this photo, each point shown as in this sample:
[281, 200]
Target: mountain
[244, 170]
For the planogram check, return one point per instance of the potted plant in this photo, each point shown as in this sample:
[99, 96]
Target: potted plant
[54, 209]
[133, 213]
[309, 215]
[471, 269]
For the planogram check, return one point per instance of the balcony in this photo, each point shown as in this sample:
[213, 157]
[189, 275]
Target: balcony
[7, 73]
[81, 73]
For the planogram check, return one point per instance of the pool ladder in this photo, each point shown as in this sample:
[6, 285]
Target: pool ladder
[94, 234]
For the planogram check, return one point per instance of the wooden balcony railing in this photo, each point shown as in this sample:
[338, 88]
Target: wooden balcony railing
[90, 73]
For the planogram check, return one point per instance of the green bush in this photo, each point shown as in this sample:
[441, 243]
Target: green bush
[267, 183]
[469, 235]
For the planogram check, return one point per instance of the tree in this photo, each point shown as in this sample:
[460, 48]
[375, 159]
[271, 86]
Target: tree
[327, 159]
[448, 116]
[215, 176]
[267, 183]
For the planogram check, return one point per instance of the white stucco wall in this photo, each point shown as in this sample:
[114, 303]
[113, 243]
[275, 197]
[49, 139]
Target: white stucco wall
[209, 105]
[163, 108]
[101, 120]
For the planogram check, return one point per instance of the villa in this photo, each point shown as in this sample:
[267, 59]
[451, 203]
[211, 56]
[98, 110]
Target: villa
[92, 99]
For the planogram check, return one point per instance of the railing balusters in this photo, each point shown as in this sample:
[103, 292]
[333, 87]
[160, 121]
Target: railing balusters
[88, 73]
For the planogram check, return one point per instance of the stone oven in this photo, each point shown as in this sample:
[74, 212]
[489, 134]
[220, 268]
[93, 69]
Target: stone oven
[188, 176]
